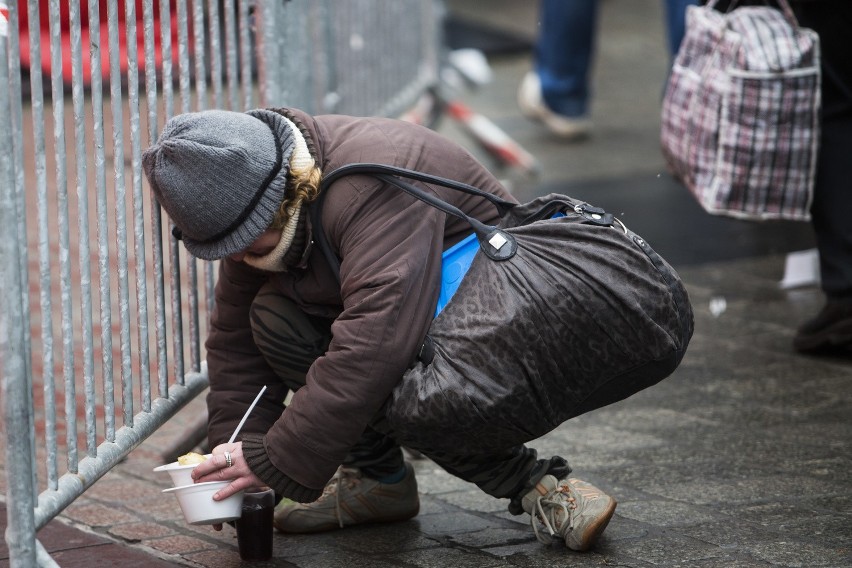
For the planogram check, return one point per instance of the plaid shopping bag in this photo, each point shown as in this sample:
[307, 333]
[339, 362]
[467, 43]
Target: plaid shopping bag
[740, 116]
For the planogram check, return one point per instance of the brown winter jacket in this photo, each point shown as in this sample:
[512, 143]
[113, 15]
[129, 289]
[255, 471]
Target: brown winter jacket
[390, 249]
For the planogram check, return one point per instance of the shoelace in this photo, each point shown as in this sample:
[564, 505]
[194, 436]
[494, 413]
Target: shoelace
[548, 507]
[349, 477]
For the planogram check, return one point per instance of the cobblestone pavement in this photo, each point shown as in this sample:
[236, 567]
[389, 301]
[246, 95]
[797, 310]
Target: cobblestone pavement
[740, 459]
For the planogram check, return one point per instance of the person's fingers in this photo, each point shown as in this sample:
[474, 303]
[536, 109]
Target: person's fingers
[209, 469]
[237, 485]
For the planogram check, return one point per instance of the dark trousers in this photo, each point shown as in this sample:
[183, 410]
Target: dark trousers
[290, 340]
[832, 204]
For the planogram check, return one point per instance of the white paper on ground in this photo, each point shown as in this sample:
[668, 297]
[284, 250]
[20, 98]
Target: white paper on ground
[801, 268]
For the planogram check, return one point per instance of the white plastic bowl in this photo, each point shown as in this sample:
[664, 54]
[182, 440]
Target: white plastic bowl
[180, 474]
[198, 507]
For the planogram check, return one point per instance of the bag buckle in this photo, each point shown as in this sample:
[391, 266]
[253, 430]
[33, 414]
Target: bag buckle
[594, 215]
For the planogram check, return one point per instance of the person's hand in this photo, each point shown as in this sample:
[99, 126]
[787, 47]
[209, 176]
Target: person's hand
[216, 468]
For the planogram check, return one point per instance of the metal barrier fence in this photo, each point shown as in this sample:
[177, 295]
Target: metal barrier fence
[102, 314]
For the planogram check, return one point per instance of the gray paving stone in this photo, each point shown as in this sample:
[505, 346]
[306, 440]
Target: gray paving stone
[731, 562]
[624, 528]
[475, 500]
[444, 557]
[431, 505]
[668, 549]
[494, 537]
[708, 492]
[443, 526]
[833, 530]
[537, 555]
[665, 513]
[385, 539]
[734, 534]
[331, 558]
[802, 554]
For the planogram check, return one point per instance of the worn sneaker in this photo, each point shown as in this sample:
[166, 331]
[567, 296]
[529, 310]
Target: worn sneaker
[569, 509]
[352, 499]
[532, 106]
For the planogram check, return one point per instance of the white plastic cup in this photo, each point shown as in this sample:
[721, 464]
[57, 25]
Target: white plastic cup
[198, 507]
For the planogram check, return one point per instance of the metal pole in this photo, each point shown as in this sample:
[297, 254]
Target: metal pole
[20, 534]
[42, 213]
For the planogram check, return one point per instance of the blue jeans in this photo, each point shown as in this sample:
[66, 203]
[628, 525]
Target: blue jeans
[564, 50]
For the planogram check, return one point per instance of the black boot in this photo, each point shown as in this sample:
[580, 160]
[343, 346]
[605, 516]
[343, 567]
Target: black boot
[830, 332]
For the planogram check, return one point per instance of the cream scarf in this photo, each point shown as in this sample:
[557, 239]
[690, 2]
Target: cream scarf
[301, 160]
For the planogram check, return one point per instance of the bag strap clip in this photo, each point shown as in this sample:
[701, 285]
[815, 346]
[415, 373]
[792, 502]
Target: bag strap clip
[594, 215]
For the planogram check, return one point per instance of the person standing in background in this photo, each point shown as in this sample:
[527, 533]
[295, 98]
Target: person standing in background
[830, 331]
[557, 92]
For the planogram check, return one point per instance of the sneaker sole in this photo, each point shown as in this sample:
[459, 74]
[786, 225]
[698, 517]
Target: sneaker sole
[594, 531]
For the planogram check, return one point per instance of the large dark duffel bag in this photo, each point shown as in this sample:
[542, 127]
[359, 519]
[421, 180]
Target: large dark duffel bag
[570, 312]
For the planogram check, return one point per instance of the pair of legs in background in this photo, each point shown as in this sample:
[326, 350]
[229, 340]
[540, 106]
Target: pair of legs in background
[375, 484]
[558, 91]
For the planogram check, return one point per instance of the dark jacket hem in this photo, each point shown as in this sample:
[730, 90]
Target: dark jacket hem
[255, 455]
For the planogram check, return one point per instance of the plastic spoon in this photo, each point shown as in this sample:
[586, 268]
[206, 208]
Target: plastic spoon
[246, 415]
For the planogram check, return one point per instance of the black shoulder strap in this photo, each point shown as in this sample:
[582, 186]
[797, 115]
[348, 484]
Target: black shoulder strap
[494, 242]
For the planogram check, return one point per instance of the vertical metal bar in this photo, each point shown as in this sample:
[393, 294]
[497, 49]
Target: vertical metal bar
[157, 225]
[77, 98]
[199, 52]
[45, 302]
[20, 534]
[166, 57]
[268, 48]
[210, 279]
[103, 228]
[136, 185]
[186, 105]
[192, 296]
[119, 191]
[138, 201]
[245, 63]
[64, 238]
[215, 51]
[156, 212]
[327, 83]
[177, 310]
[183, 55]
[231, 54]
[15, 105]
[160, 300]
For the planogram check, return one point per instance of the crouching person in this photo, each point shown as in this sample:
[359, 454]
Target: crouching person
[238, 187]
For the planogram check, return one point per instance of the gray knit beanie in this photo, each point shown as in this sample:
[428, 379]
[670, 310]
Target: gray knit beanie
[221, 176]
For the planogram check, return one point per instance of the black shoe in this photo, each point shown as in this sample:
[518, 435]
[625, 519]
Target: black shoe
[830, 332]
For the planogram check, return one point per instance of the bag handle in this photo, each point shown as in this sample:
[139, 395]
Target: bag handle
[783, 4]
[374, 169]
[495, 243]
